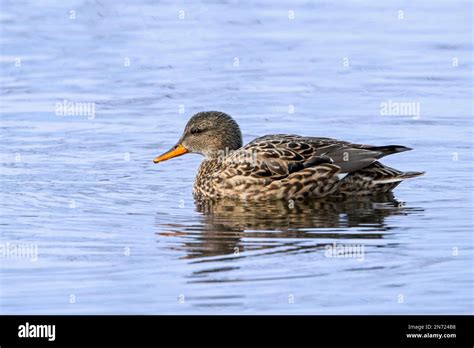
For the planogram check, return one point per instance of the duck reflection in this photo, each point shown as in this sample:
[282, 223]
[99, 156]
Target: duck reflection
[230, 227]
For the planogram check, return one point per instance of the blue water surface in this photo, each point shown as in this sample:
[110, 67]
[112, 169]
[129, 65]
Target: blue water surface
[117, 234]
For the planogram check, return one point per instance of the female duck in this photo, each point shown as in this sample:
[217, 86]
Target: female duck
[281, 166]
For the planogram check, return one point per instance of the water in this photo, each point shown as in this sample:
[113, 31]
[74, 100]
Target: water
[116, 233]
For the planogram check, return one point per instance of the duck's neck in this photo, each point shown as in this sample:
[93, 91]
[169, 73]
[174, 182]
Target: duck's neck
[205, 179]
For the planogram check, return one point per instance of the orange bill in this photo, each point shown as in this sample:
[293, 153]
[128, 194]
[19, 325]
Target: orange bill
[176, 151]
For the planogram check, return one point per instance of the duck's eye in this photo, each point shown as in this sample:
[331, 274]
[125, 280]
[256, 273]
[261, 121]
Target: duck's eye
[196, 130]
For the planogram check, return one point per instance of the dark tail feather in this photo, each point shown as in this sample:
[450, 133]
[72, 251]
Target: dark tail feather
[400, 177]
[408, 175]
[389, 149]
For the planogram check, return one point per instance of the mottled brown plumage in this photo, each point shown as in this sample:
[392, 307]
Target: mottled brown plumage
[282, 166]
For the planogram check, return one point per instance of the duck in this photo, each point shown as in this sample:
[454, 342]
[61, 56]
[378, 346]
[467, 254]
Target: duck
[281, 166]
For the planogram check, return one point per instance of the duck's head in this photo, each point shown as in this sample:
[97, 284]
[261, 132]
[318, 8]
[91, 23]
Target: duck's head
[208, 133]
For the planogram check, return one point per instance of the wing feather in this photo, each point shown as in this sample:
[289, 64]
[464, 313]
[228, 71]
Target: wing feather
[277, 156]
